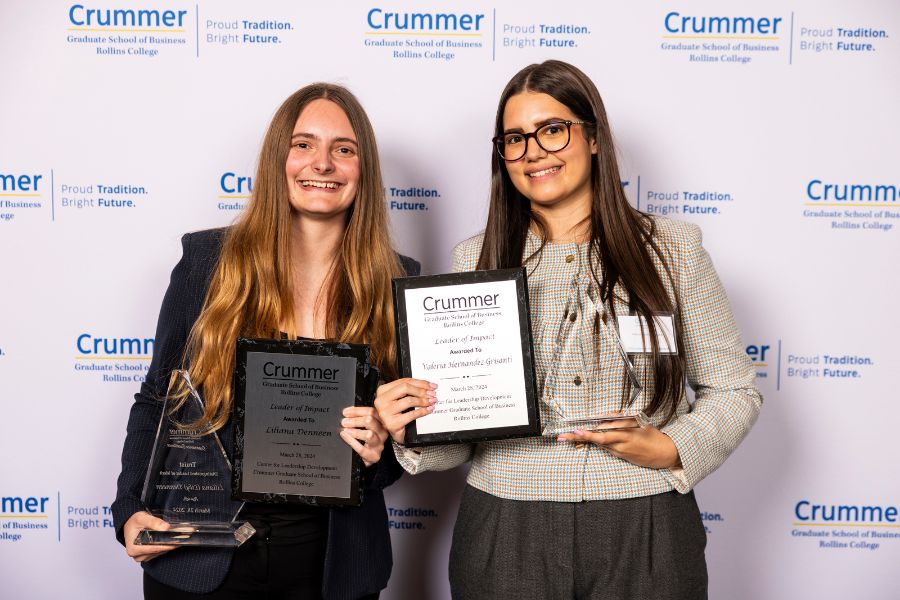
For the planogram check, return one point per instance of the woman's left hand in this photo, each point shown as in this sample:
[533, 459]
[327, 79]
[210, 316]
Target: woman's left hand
[364, 432]
[645, 446]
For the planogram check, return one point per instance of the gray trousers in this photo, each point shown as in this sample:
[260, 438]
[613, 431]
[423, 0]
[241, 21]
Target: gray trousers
[648, 548]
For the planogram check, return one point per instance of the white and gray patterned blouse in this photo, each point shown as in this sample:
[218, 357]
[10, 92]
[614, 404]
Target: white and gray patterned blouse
[588, 376]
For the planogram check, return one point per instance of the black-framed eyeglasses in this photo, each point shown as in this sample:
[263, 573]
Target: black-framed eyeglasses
[552, 137]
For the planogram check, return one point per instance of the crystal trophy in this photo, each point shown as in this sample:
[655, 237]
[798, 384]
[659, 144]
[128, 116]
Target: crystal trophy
[629, 418]
[188, 482]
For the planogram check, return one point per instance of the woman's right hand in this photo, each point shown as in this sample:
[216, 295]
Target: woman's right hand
[133, 526]
[400, 402]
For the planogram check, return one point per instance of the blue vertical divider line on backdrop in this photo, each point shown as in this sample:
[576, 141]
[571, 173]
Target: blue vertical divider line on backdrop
[791, 46]
[494, 38]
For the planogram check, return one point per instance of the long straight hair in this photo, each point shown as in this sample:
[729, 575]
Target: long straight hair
[251, 292]
[621, 237]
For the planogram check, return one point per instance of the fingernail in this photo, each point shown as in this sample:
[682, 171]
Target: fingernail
[431, 393]
[343, 422]
[560, 439]
[432, 386]
[432, 401]
[578, 432]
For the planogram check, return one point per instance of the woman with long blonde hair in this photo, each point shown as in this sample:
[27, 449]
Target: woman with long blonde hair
[310, 257]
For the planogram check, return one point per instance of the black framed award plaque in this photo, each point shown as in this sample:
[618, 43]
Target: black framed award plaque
[469, 333]
[288, 398]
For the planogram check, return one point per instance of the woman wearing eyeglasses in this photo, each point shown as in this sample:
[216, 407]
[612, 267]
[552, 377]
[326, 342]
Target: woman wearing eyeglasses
[590, 514]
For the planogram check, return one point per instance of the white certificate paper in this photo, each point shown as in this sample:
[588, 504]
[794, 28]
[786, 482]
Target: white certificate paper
[467, 339]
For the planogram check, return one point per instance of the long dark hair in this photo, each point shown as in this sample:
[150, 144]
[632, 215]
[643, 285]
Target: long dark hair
[621, 238]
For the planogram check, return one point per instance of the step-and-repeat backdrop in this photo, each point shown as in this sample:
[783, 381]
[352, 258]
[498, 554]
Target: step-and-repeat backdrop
[772, 125]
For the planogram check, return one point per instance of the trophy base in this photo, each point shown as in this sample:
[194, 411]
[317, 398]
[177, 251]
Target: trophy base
[210, 535]
[595, 423]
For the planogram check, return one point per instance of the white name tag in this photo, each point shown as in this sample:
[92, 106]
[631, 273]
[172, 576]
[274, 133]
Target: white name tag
[635, 334]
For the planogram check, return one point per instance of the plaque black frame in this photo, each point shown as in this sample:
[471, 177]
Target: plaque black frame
[404, 359]
[364, 394]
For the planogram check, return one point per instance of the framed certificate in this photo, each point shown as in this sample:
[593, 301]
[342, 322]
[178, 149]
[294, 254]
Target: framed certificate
[288, 398]
[470, 333]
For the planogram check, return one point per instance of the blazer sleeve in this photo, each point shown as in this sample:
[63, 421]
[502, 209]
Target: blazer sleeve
[171, 336]
[410, 266]
[448, 456]
[387, 470]
[721, 374]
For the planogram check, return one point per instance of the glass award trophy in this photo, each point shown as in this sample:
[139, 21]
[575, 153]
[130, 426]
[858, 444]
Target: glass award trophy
[187, 482]
[629, 418]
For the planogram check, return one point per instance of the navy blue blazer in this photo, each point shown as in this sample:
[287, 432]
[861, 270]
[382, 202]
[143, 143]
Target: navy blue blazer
[358, 554]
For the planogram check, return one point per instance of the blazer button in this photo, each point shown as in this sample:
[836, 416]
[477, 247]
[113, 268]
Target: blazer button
[577, 380]
[570, 258]
[573, 317]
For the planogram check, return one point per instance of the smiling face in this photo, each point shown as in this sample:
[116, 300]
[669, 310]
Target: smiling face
[550, 180]
[322, 167]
